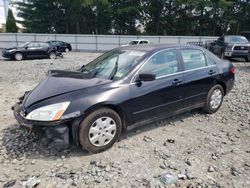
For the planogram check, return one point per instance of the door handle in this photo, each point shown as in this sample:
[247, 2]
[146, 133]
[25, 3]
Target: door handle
[211, 72]
[176, 81]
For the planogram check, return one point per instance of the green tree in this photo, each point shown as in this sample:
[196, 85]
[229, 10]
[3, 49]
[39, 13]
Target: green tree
[11, 26]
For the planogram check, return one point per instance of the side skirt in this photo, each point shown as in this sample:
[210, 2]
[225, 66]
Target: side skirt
[158, 118]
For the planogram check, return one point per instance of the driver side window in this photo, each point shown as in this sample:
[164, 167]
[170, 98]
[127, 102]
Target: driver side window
[162, 64]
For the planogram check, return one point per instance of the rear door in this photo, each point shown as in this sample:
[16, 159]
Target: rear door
[200, 74]
[161, 96]
[33, 50]
[43, 50]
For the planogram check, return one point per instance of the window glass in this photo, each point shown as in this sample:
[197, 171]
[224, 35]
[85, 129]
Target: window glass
[193, 59]
[33, 45]
[162, 63]
[209, 61]
[42, 44]
[143, 42]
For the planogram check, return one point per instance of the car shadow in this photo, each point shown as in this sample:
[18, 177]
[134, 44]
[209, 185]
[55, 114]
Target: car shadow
[17, 142]
[168, 121]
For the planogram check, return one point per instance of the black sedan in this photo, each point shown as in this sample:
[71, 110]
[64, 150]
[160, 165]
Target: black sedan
[123, 88]
[30, 50]
[62, 46]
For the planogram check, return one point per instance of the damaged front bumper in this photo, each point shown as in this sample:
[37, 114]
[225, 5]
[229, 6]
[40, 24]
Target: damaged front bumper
[55, 132]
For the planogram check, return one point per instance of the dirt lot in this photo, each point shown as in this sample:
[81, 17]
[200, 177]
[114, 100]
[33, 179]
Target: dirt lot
[201, 150]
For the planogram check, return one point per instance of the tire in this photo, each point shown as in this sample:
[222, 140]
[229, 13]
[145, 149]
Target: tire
[95, 129]
[18, 56]
[66, 50]
[248, 58]
[215, 94]
[52, 55]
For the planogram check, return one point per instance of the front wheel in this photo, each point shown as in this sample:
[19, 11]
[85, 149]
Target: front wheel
[100, 130]
[18, 56]
[214, 99]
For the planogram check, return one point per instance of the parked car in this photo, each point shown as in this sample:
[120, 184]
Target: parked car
[123, 88]
[30, 50]
[231, 46]
[62, 46]
[246, 34]
[137, 42]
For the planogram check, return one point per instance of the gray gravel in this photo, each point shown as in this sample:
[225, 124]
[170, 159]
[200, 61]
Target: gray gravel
[195, 149]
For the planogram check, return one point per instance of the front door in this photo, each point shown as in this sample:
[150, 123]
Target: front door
[161, 96]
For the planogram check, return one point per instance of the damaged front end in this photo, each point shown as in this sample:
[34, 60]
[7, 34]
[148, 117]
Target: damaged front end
[56, 134]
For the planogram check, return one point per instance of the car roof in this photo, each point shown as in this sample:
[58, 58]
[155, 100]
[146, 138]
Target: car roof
[156, 47]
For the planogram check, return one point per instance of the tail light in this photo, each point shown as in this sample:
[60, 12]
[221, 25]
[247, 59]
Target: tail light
[233, 69]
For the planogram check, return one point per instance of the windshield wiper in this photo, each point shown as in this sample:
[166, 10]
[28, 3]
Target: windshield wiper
[113, 73]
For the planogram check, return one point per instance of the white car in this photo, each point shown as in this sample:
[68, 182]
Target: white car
[136, 42]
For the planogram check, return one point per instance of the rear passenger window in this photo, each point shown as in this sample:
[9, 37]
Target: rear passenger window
[209, 61]
[162, 63]
[193, 59]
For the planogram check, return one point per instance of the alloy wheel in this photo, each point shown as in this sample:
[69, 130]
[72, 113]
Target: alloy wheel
[216, 99]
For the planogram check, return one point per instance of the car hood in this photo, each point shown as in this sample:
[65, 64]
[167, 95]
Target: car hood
[13, 48]
[61, 82]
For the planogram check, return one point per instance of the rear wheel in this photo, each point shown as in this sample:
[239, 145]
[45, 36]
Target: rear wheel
[100, 130]
[52, 55]
[214, 99]
[18, 56]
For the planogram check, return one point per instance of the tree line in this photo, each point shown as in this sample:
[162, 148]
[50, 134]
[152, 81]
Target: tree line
[131, 17]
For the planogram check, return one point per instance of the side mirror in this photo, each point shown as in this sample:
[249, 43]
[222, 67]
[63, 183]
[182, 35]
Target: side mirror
[145, 77]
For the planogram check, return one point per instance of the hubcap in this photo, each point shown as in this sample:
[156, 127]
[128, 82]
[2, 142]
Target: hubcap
[66, 50]
[18, 57]
[102, 131]
[215, 99]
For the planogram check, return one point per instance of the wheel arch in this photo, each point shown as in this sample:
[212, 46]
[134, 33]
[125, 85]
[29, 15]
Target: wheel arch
[114, 107]
[223, 86]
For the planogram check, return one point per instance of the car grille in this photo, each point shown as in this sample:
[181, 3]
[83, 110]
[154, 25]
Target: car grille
[241, 48]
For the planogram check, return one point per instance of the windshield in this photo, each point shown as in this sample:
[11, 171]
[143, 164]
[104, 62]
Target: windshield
[133, 42]
[236, 39]
[113, 65]
[23, 44]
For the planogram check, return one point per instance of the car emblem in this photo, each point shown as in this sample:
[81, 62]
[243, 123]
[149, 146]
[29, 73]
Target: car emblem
[242, 47]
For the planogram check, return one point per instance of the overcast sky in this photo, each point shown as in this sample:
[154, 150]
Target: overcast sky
[2, 17]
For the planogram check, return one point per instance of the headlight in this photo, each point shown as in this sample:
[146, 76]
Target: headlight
[51, 112]
[229, 48]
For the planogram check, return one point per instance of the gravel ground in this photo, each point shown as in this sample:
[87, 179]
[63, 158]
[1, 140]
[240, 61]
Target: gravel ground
[199, 150]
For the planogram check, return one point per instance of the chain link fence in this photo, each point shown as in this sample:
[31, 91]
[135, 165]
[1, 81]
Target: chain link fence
[94, 42]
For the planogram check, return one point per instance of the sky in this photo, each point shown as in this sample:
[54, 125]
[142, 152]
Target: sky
[2, 16]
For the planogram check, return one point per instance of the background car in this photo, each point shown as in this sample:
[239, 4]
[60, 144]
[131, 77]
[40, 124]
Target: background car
[30, 50]
[231, 46]
[137, 42]
[125, 87]
[62, 46]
